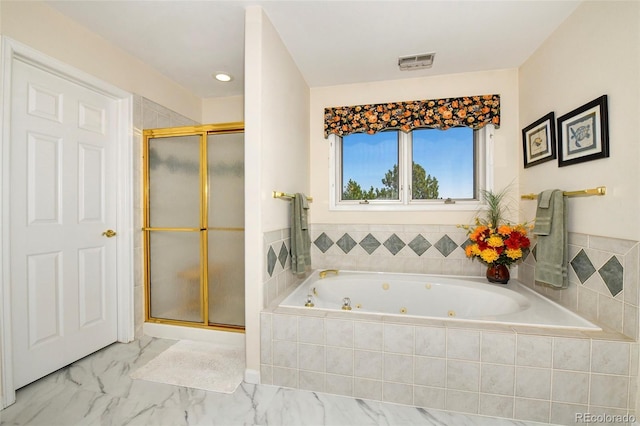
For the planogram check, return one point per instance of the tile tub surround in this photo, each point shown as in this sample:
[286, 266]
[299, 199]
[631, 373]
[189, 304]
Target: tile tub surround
[277, 276]
[512, 372]
[603, 281]
[603, 272]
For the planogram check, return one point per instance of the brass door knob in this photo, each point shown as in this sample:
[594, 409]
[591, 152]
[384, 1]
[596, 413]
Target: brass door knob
[109, 233]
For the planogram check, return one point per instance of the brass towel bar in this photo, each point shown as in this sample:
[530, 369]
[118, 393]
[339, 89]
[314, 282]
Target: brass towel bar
[600, 190]
[277, 194]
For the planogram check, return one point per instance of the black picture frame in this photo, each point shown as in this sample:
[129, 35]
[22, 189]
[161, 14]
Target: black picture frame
[583, 134]
[539, 141]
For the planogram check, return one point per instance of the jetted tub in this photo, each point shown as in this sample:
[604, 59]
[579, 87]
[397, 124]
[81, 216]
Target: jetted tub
[432, 296]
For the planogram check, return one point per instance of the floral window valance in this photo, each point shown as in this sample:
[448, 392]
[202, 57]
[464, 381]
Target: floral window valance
[470, 111]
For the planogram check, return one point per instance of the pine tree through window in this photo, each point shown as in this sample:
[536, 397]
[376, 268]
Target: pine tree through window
[397, 167]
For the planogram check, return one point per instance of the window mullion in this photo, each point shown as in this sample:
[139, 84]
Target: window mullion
[404, 168]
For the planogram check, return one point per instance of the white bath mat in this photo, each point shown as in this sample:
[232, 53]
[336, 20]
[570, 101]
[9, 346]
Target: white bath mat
[199, 365]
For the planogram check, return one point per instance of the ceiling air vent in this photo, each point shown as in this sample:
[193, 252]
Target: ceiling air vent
[416, 62]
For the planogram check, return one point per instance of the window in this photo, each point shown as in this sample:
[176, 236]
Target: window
[425, 169]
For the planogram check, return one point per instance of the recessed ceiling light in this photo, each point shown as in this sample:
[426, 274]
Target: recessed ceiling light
[223, 77]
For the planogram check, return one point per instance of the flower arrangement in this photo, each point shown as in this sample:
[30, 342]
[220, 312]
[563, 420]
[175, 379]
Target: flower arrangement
[494, 242]
[501, 245]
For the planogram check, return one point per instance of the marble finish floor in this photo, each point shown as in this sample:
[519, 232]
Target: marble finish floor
[97, 390]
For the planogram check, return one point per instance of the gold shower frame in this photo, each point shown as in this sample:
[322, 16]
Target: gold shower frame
[203, 131]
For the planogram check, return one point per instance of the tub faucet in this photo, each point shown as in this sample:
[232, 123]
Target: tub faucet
[309, 302]
[346, 304]
[324, 273]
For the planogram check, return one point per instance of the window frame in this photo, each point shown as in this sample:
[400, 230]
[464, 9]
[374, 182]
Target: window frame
[483, 179]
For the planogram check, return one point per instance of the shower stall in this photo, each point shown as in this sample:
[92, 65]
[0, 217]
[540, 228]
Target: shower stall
[193, 224]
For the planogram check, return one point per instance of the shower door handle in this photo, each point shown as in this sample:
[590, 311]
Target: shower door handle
[109, 233]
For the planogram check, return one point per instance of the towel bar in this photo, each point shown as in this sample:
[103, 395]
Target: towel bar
[600, 190]
[277, 194]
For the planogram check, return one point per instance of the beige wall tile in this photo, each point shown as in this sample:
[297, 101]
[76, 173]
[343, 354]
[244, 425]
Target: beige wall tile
[571, 387]
[339, 385]
[463, 344]
[339, 360]
[367, 389]
[466, 402]
[367, 335]
[498, 348]
[610, 357]
[609, 391]
[429, 397]
[571, 354]
[339, 333]
[367, 364]
[431, 341]
[311, 330]
[532, 409]
[533, 382]
[399, 339]
[312, 381]
[285, 327]
[430, 371]
[497, 379]
[398, 393]
[495, 405]
[311, 357]
[463, 375]
[534, 351]
[398, 368]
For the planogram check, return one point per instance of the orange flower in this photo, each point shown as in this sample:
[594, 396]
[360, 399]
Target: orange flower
[504, 230]
[475, 235]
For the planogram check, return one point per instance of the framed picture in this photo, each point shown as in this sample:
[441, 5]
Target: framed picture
[583, 134]
[539, 141]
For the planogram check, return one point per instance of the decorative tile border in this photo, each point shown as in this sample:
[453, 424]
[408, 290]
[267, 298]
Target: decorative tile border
[392, 248]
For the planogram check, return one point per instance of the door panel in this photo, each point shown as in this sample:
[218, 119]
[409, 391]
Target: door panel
[91, 189]
[44, 157]
[174, 182]
[63, 270]
[226, 228]
[44, 293]
[226, 277]
[175, 276]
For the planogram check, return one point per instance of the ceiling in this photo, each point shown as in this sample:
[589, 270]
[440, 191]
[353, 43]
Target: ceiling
[332, 42]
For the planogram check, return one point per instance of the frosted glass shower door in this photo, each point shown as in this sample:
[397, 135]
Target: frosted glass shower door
[174, 225]
[225, 152]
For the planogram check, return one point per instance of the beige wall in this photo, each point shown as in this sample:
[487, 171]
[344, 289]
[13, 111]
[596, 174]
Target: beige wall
[502, 82]
[40, 27]
[593, 53]
[223, 110]
[276, 154]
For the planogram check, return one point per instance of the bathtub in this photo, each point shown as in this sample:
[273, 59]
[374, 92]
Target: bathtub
[450, 298]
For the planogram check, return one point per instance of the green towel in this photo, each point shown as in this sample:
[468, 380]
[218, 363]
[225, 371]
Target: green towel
[552, 246]
[300, 240]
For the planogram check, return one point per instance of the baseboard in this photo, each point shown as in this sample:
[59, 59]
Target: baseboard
[252, 376]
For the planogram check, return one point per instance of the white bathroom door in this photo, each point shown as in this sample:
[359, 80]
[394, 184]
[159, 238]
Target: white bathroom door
[63, 202]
